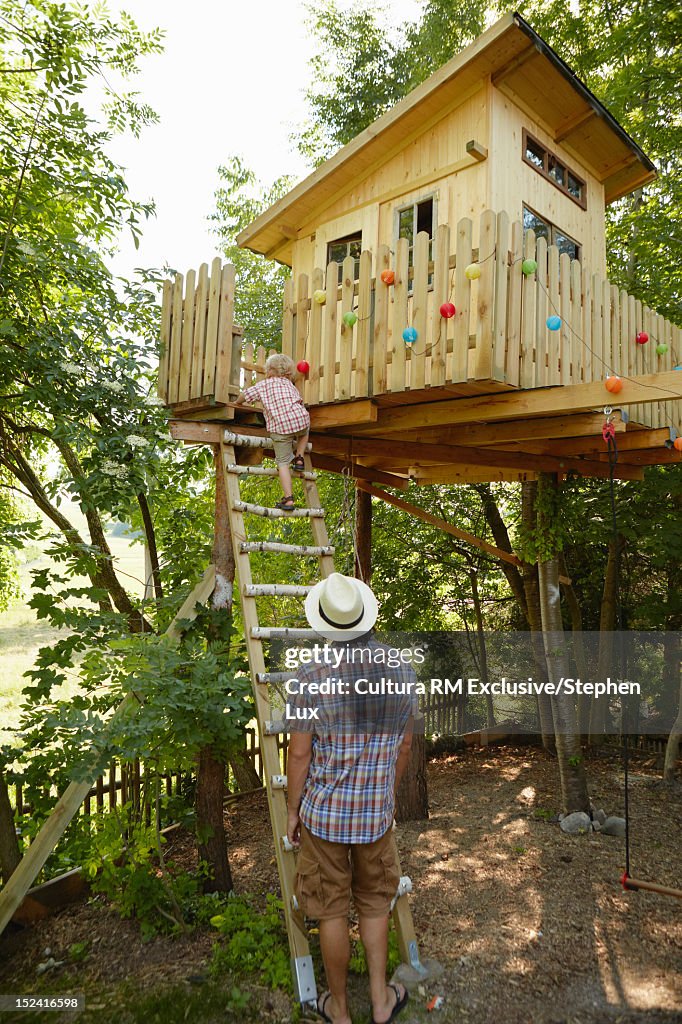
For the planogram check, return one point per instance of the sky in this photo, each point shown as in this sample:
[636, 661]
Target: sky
[231, 81]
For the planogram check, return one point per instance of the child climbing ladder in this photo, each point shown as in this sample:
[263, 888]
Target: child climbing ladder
[286, 418]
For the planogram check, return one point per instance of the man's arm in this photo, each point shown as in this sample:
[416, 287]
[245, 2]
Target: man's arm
[298, 763]
[404, 753]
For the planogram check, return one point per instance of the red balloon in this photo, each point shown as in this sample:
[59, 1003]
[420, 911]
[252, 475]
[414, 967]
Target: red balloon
[303, 366]
[447, 310]
[642, 338]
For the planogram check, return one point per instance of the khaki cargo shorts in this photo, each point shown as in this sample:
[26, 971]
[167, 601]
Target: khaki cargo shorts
[327, 873]
[284, 446]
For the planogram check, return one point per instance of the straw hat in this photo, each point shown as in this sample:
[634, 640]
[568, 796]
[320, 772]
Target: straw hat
[341, 608]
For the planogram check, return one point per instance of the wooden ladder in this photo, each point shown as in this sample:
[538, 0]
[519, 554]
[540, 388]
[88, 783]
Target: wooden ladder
[256, 635]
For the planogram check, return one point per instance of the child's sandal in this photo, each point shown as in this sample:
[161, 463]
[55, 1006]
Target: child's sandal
[298, 465]
[287, 504]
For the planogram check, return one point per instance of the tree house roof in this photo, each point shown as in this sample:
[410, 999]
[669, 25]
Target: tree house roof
[521, 65]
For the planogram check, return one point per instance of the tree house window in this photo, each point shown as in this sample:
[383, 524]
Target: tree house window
[414, 218]
[338, 250]
[543, 228]
[554, 169]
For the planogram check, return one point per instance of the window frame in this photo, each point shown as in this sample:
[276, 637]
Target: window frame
[433, 196]
[553, 229]
[353, 236]
[545, 173]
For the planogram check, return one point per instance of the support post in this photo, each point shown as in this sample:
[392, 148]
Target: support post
[363, 535]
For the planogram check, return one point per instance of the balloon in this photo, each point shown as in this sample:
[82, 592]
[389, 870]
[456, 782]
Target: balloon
[473, 271]
[677, 444]
[350, 318]
[447, 310]
[529, 267]
[320, 296]
[661, 349]
[677, 367]
[410, 335]
[642, 338]
[554, 323]
[388, 276]
[614, 384]
[303, 366]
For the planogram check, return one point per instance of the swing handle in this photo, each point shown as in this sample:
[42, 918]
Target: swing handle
[635, 883]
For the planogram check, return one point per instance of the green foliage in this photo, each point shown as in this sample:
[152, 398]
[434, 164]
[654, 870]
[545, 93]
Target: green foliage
[253, 942]
[358, 957]
[259, 281]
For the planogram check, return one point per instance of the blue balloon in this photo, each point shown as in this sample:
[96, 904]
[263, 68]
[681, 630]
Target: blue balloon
[677, 367]
[554, 323]
[410, 335]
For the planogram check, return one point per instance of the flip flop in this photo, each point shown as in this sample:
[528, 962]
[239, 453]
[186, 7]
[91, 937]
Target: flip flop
[322, 1001]
[400, 1004]
[287, 504]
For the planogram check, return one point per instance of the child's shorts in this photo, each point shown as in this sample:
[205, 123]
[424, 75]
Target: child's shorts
[284, 446]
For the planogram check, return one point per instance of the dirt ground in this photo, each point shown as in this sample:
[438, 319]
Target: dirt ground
[530, 925]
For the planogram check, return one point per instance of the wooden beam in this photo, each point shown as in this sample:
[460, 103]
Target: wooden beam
[513, 65]
[476, 150]
[196, 433]
[358, 472]
[540, 428]
[518, 405]
[67, 806]
[343, 414]
[593, 447]
[441, 524]
[439, 454]
[571, 124]
[423, 475]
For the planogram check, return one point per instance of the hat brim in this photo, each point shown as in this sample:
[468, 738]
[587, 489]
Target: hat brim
[320, 625]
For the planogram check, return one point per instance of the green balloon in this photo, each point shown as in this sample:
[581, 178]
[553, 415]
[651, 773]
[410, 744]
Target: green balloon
[529, 267]
[661, 349]
[350, 319]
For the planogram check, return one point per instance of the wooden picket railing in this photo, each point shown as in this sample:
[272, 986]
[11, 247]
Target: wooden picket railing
[499, 332]
[200, 345]
[498, 337]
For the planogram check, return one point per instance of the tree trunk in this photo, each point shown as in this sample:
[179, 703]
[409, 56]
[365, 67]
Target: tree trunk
[578, 645]
[211, 771]
[500, 534]
[363, 535]
[531, 589]
[599, 713]
[412, 802]
[482, 651]
[10, 854]
[672, 748]
[245, 774]
[569, 753]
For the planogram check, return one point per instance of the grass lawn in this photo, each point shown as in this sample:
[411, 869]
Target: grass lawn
[22, 634]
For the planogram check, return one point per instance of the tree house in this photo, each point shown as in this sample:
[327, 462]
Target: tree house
[484, 188]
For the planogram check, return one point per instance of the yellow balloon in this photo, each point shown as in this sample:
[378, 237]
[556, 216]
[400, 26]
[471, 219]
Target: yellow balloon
[473, 271]
[320, 296]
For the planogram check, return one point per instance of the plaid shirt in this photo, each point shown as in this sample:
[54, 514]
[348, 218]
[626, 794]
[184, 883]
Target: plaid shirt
[284, 410]
[349, 796]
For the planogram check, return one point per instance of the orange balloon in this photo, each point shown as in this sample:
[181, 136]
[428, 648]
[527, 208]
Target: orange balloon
[677, 444]
[614, 385]
[388, 276]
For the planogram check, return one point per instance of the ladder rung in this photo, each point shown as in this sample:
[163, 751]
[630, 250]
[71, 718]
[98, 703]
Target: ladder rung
[275, 590]
[278, 513]
[264, 471]
[287, 549]
[251, 441]
[274, 677]
[283, 633]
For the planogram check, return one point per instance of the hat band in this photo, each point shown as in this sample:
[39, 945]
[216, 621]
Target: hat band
[340, 625]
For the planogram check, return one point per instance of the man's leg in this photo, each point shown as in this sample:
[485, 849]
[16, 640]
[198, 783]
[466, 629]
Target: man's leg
[374, 935]
[335, 946]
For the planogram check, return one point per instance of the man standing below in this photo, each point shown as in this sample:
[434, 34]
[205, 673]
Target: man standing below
[343, 768]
